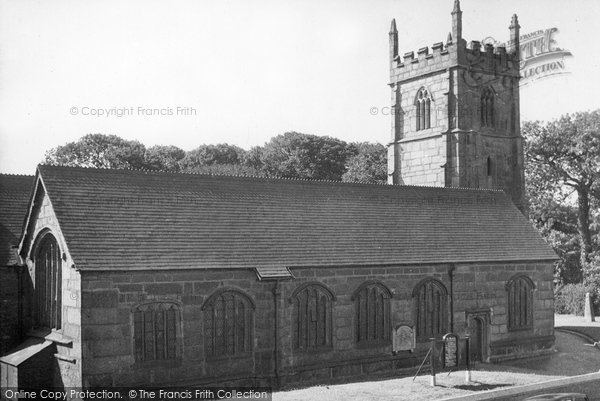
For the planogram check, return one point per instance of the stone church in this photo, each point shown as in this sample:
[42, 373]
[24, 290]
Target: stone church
[150, 278]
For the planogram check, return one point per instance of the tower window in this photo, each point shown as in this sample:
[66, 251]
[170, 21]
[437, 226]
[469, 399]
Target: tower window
[423, 109]
[487, 108]
[489, 166]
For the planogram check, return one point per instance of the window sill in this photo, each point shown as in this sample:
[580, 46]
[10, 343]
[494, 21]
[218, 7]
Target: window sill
[51, 335]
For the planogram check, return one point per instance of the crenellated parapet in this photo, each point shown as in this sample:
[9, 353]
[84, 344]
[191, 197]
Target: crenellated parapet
[425, 60]
[455, 52]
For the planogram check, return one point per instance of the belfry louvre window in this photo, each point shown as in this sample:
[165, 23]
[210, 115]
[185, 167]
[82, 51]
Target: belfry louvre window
[423, 109]
[372, 303]
[312, 317]
[520, 302]
[48, 283]
[487, 108]
[155, 331]
[431, 308]
[228, 322]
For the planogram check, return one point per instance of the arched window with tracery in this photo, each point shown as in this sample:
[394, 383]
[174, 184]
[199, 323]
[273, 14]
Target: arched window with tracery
[48, 283]
[372, 311]
[520, 302]
[487, 108]
[228, 323]
[312, 317]
[431, 308]
[423, 109]
[155, 327]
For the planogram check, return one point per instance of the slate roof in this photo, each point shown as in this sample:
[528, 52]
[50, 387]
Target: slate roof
[14, 200]
[124, 219]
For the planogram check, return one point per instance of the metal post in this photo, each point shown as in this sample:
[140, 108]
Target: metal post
[468, 352]
[431, 360]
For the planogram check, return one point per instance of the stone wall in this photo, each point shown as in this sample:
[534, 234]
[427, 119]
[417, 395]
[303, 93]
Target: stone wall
[10, 307]
[109, 299]
[67, 370]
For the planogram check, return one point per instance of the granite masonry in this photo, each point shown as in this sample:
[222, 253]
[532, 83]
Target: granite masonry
[140, 278]
[455, 114]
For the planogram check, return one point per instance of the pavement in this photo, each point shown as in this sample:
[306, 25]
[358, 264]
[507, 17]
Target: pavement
[572, 357]
[579, 325]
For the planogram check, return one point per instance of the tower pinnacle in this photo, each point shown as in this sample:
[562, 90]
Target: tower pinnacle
[457, 22]
[456, 6]
[393, 41]
[393, 28]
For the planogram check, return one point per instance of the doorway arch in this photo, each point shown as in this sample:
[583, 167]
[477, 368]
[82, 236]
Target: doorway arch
[478, 323]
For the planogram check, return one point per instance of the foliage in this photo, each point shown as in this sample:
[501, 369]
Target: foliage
[209, 155]
[253, 158]
[570, 299]
[163, 158]
[227, 169]
[563, 176]
[98, 150]
[296, 155]
[368, 164]
[291, 155]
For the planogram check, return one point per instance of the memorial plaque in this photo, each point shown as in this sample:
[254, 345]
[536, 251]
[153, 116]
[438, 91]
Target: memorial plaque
[403, 338]
[450, 350]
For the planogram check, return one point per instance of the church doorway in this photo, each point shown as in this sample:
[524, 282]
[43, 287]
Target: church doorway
[478, 329]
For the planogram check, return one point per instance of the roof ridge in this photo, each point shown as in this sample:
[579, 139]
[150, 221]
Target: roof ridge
[267, 178]
[16, 175]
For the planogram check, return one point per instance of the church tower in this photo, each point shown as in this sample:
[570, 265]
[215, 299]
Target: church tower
[455, 119]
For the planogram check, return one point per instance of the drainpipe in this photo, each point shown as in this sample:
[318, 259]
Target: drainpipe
[276, 295]
[451, 269]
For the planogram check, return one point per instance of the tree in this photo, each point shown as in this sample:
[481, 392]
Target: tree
[563, 159]
[208, 155]
[252, 158]
[296, 155]
[227, 169]
[98, 150]
[163, 158]
[368, 164]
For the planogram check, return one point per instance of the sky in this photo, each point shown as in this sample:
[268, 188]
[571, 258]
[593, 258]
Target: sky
[191, 72]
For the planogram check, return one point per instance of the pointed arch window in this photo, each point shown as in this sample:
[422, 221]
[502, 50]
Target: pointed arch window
[372, 310]
[312, 317]
[487, 108]
[430, 298]
[520, 302]
[155, 331]
[228, 323]
[48, 283]
[423, 109]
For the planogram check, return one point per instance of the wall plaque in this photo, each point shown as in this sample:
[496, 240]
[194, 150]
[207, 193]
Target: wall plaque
[403, 338]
